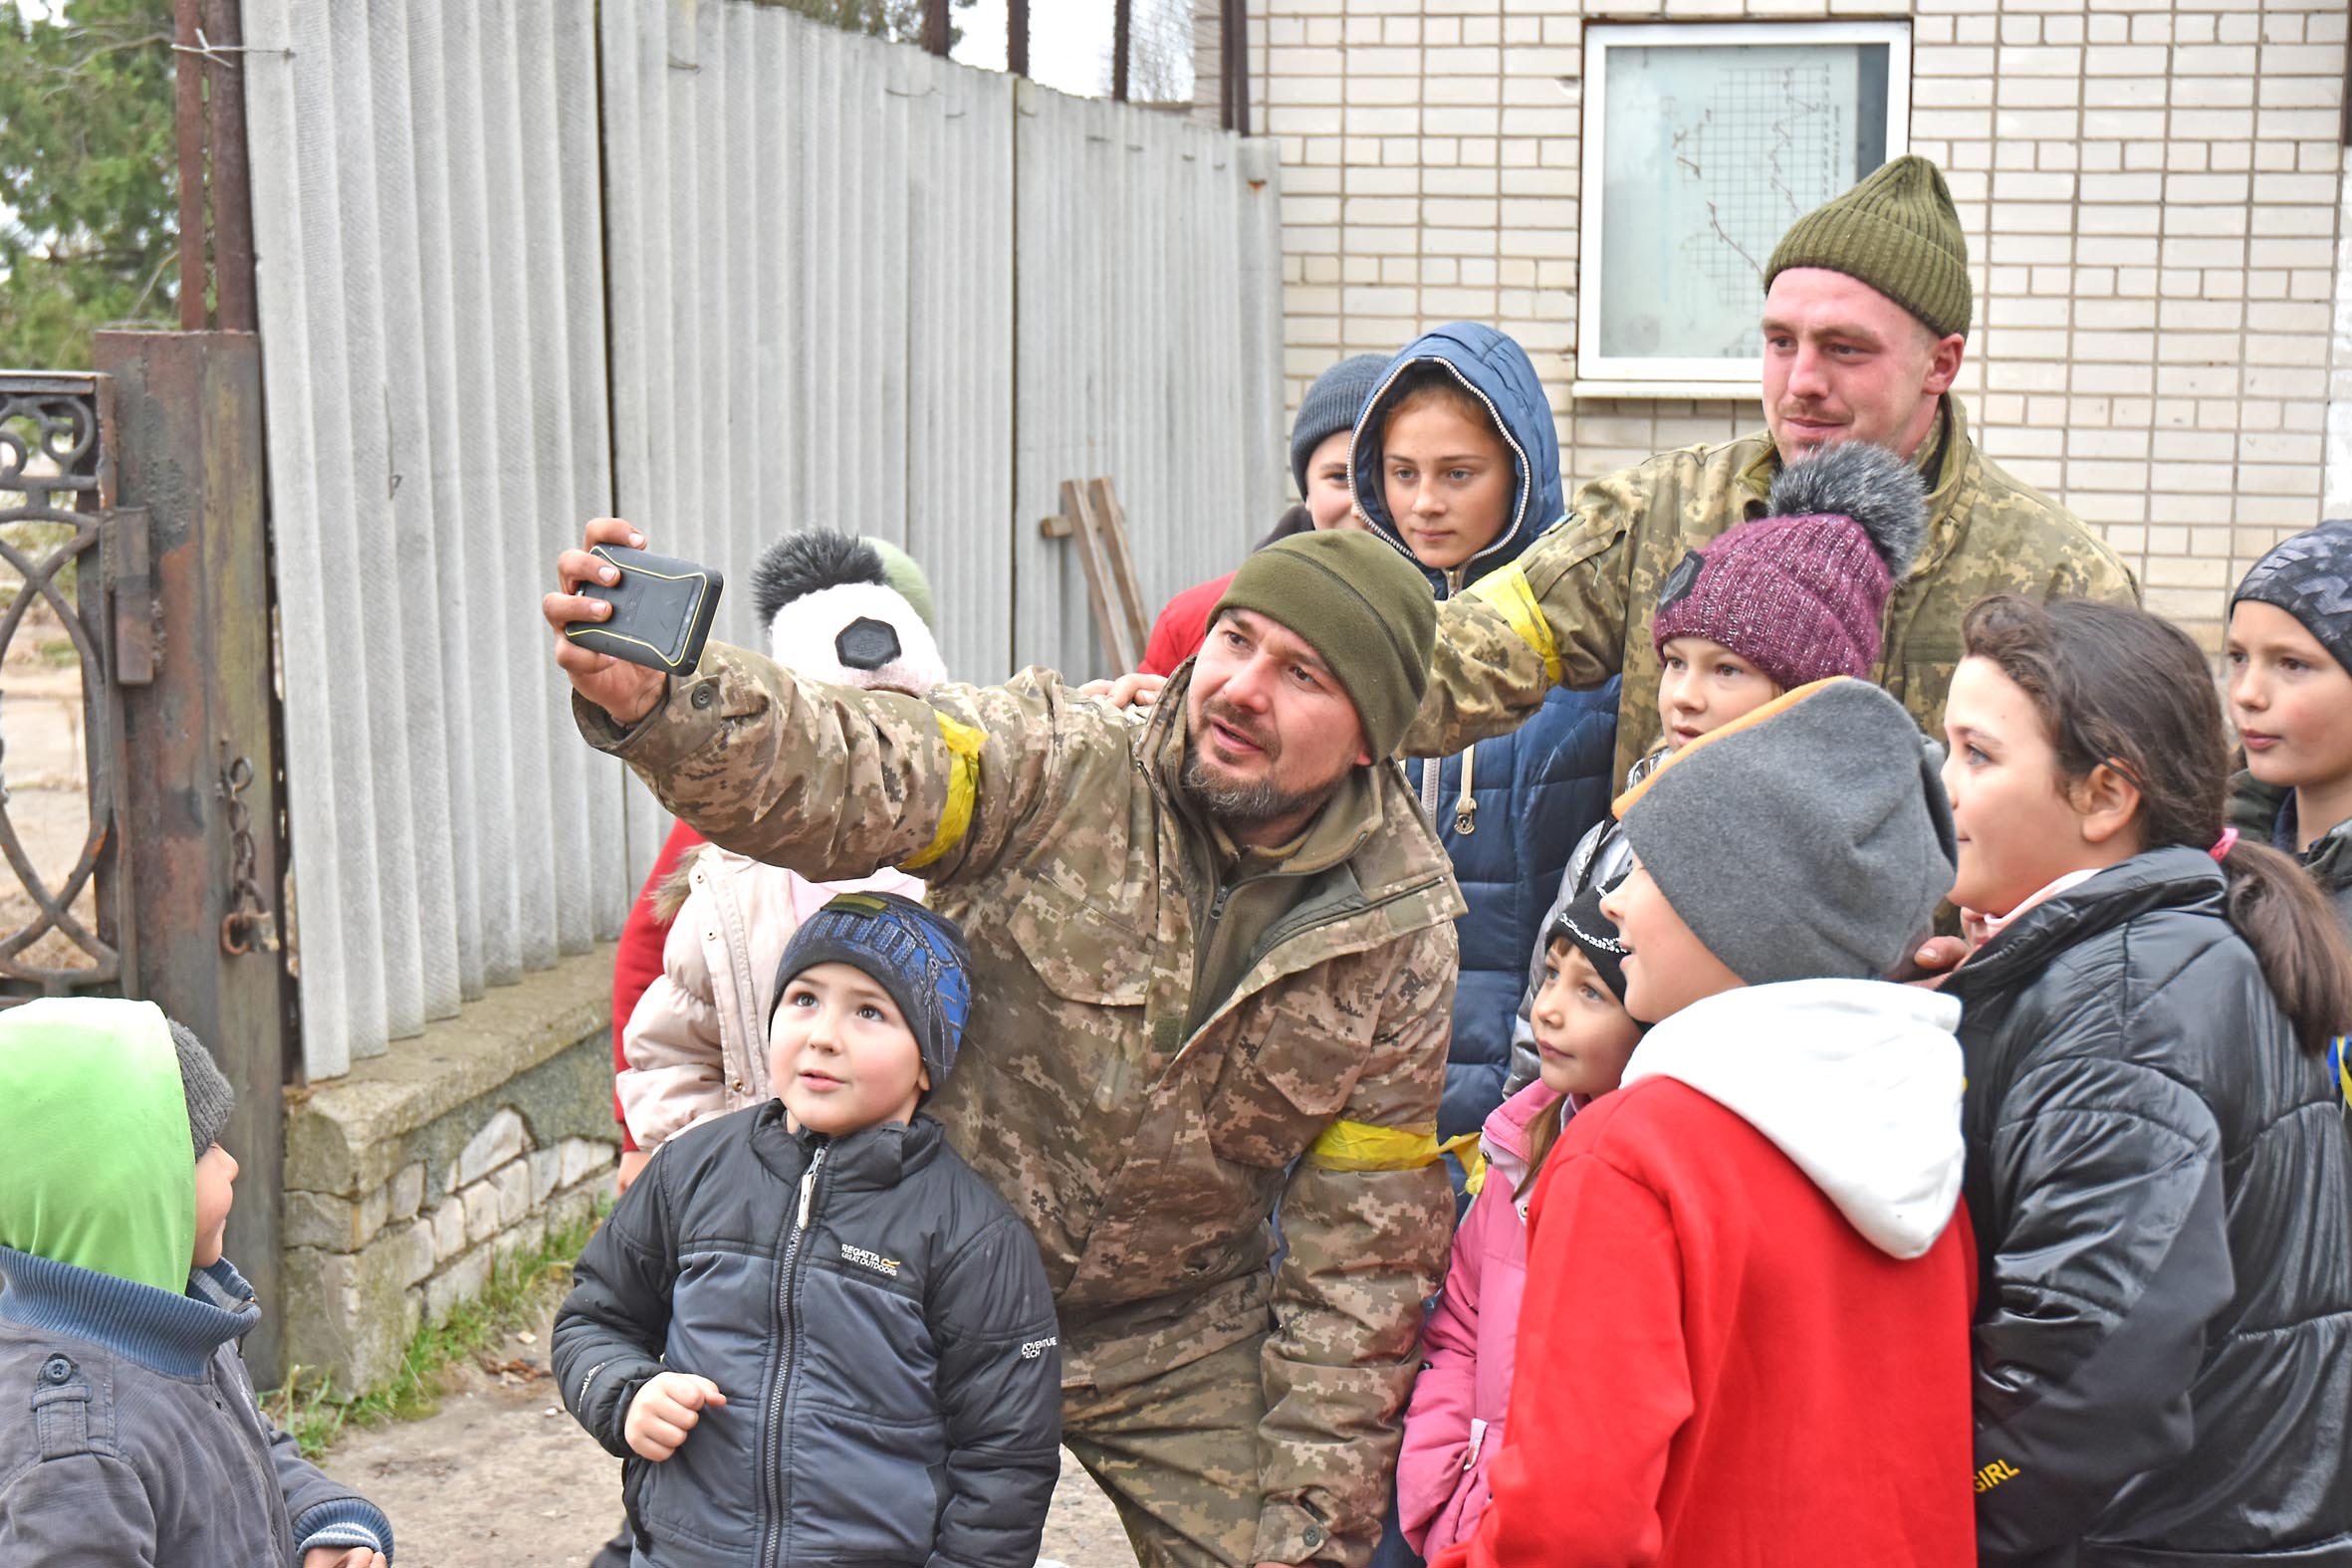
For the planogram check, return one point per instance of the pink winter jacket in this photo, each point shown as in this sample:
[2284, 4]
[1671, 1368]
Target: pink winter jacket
[1453, 1425]
[697, 1044]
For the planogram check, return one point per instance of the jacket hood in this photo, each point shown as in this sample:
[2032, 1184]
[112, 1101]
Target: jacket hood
[2256, 809]
[874, 1158]
[1506, 1138]
[170, 1333]
[1857, 1081]
[1497, 369]
[95, 1128]
[2175, 878]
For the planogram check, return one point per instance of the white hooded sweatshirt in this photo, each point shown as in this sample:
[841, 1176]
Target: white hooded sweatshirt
[1857, 1081]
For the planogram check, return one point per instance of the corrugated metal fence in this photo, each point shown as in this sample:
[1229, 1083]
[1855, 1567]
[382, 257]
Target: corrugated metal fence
[796, 276]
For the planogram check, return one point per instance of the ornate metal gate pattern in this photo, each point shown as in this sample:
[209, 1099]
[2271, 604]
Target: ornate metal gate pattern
[56, 468]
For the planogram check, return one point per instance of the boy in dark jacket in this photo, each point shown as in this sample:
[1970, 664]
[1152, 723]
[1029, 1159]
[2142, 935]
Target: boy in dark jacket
[812, 1333]
[132, 1435]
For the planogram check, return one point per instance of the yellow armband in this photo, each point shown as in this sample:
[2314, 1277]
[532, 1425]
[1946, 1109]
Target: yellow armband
[963, 788]
[1509, 595]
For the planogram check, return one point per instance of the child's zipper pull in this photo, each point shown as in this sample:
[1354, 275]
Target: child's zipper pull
[808, 1185]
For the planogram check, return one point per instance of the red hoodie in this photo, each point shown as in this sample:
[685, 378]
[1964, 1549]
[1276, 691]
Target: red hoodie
[1744, 1339]
[1183, 627]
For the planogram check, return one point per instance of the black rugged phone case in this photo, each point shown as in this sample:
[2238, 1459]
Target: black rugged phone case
[662, 610]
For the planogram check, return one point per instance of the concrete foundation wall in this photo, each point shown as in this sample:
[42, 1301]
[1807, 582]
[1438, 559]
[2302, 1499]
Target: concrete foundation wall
[407, 1177]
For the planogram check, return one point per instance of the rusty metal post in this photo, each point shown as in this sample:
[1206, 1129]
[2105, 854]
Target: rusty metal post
[1122, 41]
[188, 124]
[1017, 37]
[231, 184]
[188, 407]
[1240, 66]
[935, 28]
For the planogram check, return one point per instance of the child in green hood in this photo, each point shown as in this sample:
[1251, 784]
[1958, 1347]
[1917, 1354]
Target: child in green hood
[120, 1320]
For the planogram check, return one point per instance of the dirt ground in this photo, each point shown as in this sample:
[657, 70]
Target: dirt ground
[44, 781]
[502, 1476]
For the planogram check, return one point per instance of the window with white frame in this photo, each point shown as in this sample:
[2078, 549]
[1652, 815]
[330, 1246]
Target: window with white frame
[1702, 143]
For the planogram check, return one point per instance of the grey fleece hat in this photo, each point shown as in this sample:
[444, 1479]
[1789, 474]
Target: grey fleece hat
[1331, 405]
[1809, 841]
[209, 1096]
[2310, 577]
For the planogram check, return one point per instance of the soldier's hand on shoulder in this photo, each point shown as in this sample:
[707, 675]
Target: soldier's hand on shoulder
[1934, 963]
[1128, 691]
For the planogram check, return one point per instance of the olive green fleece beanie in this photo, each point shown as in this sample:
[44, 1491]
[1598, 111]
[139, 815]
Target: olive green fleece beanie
[900, 572]
[1359, 603]
[1898, 232]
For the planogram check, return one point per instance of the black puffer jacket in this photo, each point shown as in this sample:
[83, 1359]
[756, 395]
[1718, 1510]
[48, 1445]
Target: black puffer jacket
[2160, 1188]
[2255, 808]
[879, 1323]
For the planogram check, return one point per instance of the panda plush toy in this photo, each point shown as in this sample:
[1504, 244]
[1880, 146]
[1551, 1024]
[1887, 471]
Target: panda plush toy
[848, 611]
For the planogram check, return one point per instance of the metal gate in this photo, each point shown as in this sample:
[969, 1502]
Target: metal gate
[140, 812]
[60, 719]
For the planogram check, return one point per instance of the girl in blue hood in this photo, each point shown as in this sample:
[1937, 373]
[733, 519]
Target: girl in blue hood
[1457, 463]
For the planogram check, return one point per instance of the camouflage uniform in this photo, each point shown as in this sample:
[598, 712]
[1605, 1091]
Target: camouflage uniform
[1576, 607]
[1143, 1115]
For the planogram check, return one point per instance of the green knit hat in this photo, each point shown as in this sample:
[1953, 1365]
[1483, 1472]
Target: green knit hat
[1359, 603]
[1898, 232]
[900, 572]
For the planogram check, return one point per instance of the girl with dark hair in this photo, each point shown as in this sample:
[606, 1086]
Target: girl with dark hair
[2157, 1173]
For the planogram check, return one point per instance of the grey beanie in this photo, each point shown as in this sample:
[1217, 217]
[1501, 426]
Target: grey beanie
[1809, 841]
[209, 1096]
[2310, 577]
[1331, 405]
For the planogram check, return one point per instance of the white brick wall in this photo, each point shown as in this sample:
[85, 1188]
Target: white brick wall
[2155, 200]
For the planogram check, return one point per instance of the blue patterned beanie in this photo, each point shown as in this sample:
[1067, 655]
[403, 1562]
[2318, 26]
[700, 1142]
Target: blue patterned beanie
[916, 954]
[2310, 577]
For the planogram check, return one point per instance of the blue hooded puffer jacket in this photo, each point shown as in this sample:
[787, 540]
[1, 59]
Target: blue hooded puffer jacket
[1532, 793]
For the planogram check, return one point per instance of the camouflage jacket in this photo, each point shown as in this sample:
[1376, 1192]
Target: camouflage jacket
[1576, 607]
[1147, 1158]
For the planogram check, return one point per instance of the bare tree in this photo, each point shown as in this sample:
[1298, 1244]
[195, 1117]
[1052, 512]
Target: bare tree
[900, 21]
[1159, 54]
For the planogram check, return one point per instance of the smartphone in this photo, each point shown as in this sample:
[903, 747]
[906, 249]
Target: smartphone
[662, 610]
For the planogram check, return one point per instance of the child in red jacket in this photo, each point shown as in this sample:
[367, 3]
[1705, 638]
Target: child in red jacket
[1745, 1338]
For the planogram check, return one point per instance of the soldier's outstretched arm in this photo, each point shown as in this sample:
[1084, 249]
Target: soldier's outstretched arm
[836, 781]
[1367, 1218]
[1555, 616]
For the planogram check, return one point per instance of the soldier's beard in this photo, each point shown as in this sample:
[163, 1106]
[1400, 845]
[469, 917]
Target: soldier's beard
[1244, 805]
